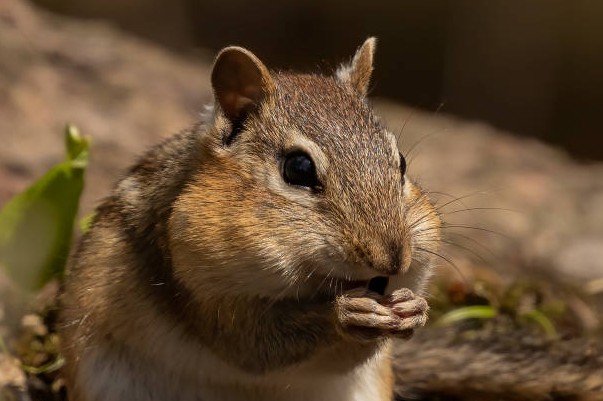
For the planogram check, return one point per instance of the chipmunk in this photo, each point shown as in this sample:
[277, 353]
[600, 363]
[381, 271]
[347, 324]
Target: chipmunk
[271, 252]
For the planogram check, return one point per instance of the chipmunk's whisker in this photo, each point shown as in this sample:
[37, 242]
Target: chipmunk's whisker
[420, 220]
[476, 242]
[326, 277]
[447, 225]
[447, 260]
[406, 120]
[470, 209]
[409, 155]
[458, 199]
[466, 248]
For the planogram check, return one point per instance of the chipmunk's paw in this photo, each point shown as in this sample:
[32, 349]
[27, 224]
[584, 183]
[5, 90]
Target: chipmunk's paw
[410, 309]
[368, 316]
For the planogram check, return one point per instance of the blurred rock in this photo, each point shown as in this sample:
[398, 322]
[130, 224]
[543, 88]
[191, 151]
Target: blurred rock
[544, 210]
[497, 364]
[121, 91]
[535, 68]
[12, 380]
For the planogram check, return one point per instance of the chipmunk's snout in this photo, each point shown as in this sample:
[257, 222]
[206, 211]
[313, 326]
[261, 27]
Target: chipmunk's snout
[378, 284]
[387, 260]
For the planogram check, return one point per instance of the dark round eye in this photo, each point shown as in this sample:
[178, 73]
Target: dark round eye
[298, 169]
[402, 165]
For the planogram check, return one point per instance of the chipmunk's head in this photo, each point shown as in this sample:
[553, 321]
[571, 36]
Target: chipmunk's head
[301, 190]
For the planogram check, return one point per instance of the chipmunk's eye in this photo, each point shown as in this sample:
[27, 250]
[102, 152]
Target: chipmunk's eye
[402, 165]
[298, 169]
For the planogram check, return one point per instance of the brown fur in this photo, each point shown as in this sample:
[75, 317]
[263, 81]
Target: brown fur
[203, 251]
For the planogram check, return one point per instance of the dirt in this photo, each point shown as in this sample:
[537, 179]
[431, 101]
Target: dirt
[514, 208]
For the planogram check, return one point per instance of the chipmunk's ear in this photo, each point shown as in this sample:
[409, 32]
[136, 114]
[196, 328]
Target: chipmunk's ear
[240, 82]
[358, 73]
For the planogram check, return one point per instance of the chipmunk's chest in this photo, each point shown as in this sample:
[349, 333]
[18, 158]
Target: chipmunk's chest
[110, 375]
[304, 382]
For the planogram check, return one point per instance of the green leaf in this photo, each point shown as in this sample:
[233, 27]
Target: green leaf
[467, 312]
[77, 147]
[36, 225]
[542, 320]
[49, 367]
[86, 221]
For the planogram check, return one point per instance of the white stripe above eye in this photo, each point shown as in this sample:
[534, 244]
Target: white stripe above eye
[298, 141]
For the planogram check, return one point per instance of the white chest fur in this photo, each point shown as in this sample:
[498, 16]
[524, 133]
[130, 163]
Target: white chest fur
[105, 377]
[176, 372]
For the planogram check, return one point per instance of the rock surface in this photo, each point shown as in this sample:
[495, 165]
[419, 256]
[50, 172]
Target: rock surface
[503, 365]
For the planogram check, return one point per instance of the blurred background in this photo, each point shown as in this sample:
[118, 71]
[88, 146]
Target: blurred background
[496, 104]
[533, 68]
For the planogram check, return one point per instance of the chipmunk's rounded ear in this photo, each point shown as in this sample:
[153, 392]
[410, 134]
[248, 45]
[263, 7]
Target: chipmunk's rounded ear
[240, 82]
[358, 73]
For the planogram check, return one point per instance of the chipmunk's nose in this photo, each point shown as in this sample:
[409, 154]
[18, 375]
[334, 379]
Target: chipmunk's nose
[400, 257]
[390, 258]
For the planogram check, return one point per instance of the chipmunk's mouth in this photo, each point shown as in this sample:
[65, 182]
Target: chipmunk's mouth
[376, 284]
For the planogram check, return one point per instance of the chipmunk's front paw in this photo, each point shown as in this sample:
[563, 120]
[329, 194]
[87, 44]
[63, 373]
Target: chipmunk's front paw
[411, 309]
[368, 316]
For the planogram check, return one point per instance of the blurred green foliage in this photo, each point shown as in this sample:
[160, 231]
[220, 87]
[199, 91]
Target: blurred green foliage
[36, 225]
